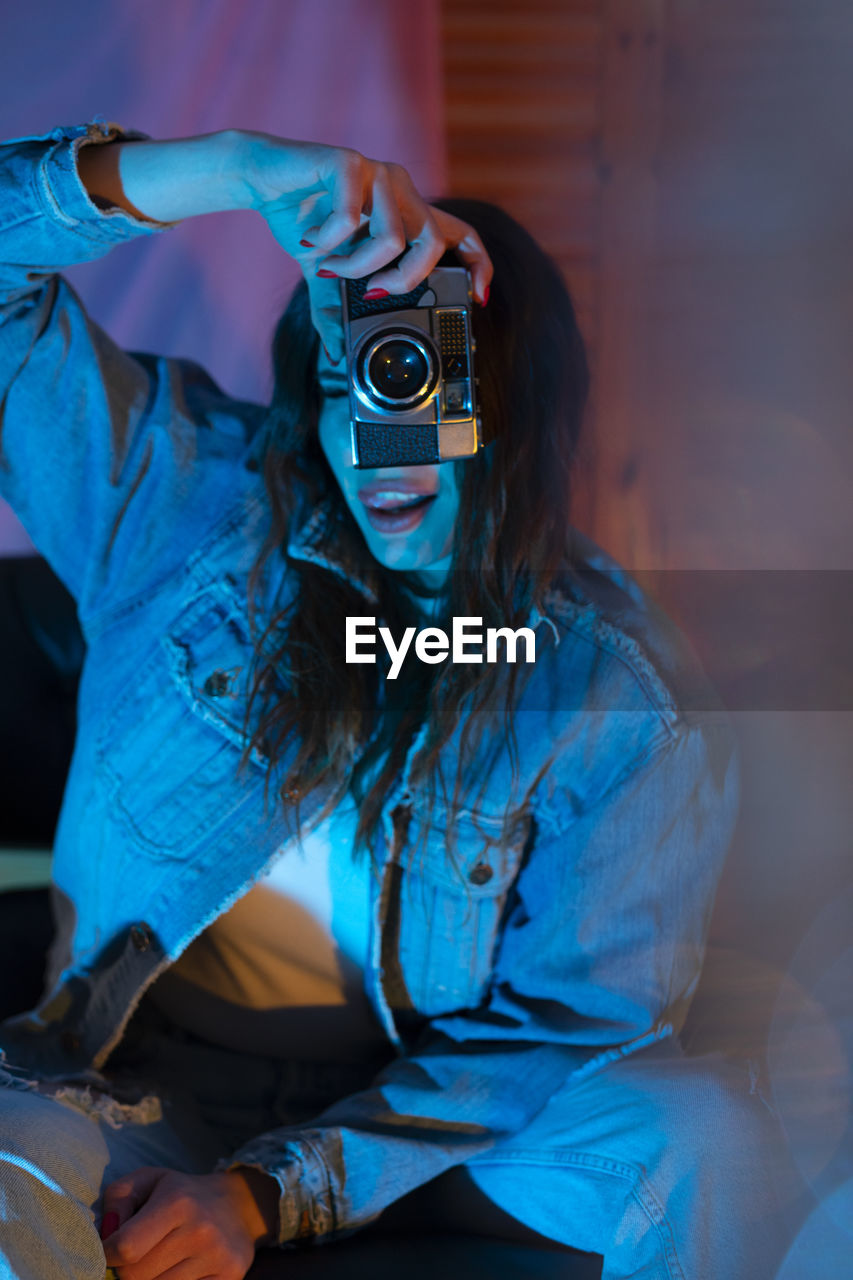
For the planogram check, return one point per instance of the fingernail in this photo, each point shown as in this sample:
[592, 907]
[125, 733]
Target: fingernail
[109, 1223]
[331, 359]
[326, 275]
[307, 244]
[372, 294]
[485, 295]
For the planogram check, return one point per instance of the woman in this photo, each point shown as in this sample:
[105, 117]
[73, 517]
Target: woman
[519, 861]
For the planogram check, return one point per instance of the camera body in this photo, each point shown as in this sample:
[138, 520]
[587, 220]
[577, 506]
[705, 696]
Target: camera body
[410, 365]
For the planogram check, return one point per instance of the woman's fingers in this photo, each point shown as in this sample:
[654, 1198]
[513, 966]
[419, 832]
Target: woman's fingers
[346, 183]
[376, 242]
[386, 232]
[464, 240]
[360, 193]
[326, 316]
[144, 1230]
[316, 197]
[169, 1256]
[428, 232]
[373, 215]
[123, 1197]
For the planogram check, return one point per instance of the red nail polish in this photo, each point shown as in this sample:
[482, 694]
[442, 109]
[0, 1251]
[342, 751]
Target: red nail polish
[326, 275]
[109, 1224]
[485, 295]
[307, 244]
[372, 294]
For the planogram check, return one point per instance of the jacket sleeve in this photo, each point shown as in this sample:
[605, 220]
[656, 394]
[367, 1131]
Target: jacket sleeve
[599, 956]
[89, 433]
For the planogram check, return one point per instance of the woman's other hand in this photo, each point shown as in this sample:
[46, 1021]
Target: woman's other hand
[157, 1222]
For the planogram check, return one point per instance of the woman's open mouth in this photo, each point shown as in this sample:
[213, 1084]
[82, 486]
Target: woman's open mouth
[395, 509]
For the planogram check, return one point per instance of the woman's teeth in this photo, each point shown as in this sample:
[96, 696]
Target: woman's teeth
[391, 501]
[391, 511]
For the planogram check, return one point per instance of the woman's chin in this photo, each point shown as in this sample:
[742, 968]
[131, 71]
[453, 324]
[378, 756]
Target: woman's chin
[407, 550]
[394, 553]
[397, 557]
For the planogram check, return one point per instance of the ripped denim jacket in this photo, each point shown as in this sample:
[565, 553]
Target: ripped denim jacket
[576, 939]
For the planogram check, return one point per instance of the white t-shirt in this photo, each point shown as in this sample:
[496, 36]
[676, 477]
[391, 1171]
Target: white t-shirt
[281, 972]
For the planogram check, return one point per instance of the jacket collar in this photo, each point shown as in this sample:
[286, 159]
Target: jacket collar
[316, 540]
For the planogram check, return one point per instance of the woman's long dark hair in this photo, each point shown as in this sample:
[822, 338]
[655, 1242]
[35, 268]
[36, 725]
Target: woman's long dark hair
[345, 726]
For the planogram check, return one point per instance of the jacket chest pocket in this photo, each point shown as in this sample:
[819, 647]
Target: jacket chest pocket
[450, 915]
[171, 743]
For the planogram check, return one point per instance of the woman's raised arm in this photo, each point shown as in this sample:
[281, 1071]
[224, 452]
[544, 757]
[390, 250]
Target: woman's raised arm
[314, 198]
[117, 463]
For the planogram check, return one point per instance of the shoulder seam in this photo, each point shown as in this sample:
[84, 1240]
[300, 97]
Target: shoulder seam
[587, 621]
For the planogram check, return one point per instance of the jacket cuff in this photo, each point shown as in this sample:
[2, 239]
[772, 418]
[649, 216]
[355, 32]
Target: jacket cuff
[63, 195]
[305, 1209]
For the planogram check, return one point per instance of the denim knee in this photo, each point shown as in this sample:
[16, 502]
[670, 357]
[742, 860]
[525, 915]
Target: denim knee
[682, 1161]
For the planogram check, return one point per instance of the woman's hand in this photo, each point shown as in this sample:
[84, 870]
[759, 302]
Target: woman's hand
[158, 1223]
[316, 199]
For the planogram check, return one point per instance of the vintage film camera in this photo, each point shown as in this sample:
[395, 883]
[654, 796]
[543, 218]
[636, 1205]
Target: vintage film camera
[410, 362]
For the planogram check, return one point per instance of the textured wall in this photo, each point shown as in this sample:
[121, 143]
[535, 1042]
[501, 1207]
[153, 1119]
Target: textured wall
[363, 73]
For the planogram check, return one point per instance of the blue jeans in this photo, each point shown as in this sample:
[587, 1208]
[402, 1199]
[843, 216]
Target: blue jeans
[672, 1167]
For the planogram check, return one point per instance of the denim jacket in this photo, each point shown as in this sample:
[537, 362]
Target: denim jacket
[574, 941]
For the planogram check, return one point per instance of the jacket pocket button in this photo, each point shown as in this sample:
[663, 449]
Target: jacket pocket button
[216, 684]
[481, 874]
[140, 936]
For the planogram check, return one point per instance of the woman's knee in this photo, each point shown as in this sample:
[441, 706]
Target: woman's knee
[658, 1148]
[51, 1143]
[51, 1164]
[718, 1108]
[712, 1136]
[704, 1123]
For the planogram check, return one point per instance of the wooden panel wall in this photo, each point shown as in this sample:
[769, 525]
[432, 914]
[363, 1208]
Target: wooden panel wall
[523, 117]
[688, 164]
[553, 111]
[523, 110]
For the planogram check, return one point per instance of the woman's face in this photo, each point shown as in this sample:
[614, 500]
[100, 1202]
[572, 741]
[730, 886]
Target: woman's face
[406, 514]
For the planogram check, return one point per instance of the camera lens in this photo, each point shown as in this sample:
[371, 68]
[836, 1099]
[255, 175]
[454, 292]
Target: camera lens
[398, 369]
